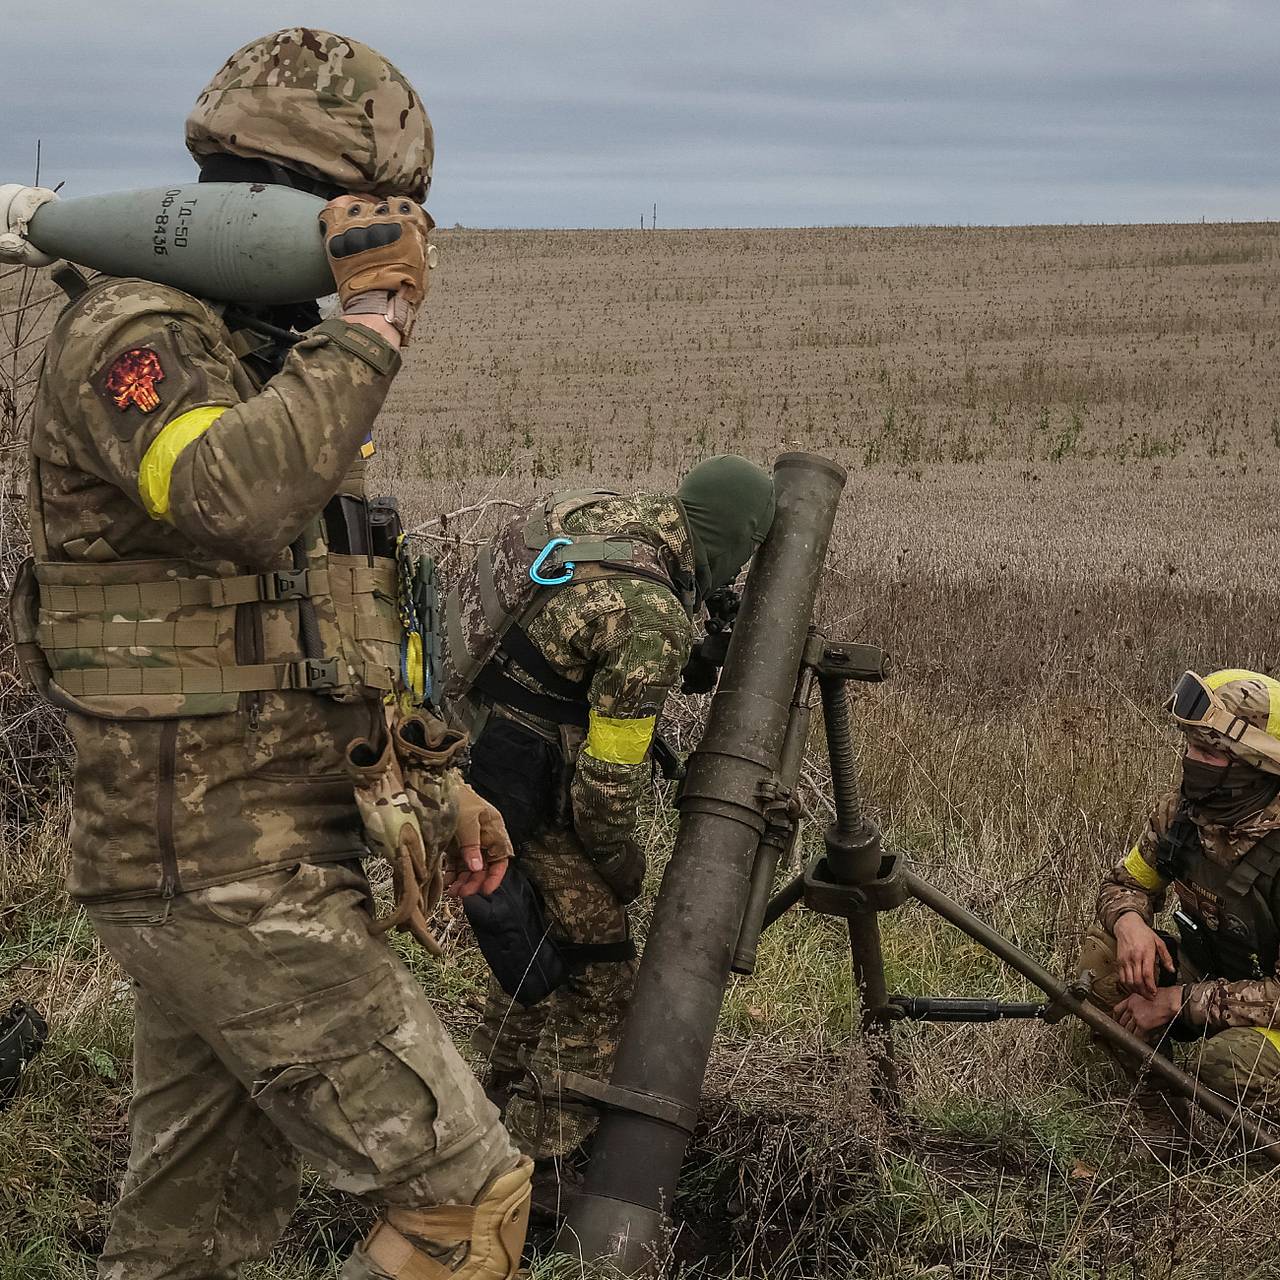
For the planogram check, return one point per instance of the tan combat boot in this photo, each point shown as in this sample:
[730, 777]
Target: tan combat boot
[479, 1241]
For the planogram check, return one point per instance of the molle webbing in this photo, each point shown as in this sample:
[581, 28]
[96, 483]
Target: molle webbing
[1262, 862]
[174, 632]
[260, 677]
[1234, 933]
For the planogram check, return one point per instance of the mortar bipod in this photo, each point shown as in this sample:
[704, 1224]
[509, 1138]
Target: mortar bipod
[856, 880]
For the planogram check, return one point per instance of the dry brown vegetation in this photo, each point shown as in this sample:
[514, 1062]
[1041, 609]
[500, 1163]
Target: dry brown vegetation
[1060, 444]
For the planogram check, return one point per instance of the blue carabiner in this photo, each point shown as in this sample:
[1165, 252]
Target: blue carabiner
[535, 569]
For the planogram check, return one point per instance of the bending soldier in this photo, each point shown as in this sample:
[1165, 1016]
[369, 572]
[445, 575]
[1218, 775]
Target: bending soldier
[208, 603]
[565, 638]
[1216, 842]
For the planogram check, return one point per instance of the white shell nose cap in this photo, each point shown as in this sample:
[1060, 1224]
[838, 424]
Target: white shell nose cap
[18, 204]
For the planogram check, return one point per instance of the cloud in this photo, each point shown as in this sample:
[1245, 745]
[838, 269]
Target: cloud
[733, 113]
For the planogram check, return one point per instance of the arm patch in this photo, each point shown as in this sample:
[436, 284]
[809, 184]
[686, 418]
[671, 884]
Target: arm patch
[145, 380]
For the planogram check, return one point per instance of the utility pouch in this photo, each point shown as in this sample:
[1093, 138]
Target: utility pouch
[1169, 977]
[511, 929]
[24, 626]
[518, 772]
[22, 1034]
[430, 753]
[394, 834]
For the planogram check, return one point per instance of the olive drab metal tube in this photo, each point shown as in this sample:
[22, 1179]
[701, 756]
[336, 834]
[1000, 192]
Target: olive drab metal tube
[620, 1216]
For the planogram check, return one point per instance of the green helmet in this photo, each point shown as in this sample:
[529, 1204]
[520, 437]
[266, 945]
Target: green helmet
[322, 105]
[728, 502]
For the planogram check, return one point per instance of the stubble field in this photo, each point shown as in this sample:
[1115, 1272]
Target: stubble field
[1061, 444]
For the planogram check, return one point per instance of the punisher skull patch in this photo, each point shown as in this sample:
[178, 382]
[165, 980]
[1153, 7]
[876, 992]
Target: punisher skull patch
[130, 380]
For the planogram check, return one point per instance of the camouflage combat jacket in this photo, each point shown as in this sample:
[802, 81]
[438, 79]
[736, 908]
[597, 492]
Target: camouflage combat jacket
[152, 439]
[1135, 884]
[630, 637]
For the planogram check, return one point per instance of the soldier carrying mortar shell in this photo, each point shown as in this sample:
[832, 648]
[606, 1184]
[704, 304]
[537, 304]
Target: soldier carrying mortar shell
[217, 606]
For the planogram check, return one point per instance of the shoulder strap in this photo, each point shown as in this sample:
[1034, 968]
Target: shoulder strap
[1261, 862]
[538, 530]
[525, 654]
[1180, 843]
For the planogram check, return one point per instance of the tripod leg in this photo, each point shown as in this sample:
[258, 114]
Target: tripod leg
[868, 972]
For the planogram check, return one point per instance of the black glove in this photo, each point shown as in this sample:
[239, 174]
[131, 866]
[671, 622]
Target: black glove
[621, 867]
[703, 668]
[699, 675]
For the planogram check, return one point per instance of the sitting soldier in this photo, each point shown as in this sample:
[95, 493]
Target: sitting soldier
[1216, 841]
[565, 637]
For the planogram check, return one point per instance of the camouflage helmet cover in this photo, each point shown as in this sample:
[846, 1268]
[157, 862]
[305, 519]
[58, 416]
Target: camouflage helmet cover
[321, 104]
[1255, 699]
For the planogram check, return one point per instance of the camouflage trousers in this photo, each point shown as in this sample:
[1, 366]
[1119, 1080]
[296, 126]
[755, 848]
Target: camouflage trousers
[1241, 1063]
[577, 1027]
[272, 1026]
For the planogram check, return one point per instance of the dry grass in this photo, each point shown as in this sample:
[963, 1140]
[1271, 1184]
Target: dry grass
[1060, 443]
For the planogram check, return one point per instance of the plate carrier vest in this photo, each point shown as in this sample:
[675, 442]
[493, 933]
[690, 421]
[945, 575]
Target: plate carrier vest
[1232, 931]
[513, 577]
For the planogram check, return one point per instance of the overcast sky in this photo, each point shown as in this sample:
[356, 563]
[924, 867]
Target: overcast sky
[737, 113]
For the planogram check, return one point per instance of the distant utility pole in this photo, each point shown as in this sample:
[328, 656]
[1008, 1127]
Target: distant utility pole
[653, 226]
[642, 222]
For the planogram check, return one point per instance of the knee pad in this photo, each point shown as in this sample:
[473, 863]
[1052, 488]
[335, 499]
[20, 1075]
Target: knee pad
[479, 1241]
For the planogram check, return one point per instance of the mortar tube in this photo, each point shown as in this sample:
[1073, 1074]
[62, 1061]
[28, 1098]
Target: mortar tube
[1262, 1138]
[779, 838]
[620, 1216]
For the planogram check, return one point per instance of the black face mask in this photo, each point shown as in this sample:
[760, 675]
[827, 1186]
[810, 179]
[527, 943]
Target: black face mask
[1200, 780]
[1227, 793]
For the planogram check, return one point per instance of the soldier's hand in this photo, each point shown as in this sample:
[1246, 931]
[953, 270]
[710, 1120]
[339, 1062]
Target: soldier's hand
[1141, 1014]
[621, 867]
[699, 675]
[1140, 954]
[379, 256]
[480, 848]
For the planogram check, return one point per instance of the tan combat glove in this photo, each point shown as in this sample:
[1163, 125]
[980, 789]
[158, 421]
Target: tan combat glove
[480, 849]
[393, 833]
[429, 751]
[379, 256]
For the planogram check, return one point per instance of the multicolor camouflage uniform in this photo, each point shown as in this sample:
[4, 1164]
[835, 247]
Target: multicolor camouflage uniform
[217, 853]
[631, 636]
[1240, 1054]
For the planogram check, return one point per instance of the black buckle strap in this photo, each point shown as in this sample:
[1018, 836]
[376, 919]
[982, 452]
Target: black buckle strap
[501, 688]
[515, 646]
[584, 953]
[285, 584]
[317, 673]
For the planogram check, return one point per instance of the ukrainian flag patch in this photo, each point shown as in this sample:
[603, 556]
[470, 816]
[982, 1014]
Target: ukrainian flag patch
[366, 447]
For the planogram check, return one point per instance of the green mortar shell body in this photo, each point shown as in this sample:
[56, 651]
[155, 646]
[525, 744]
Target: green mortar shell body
[247, 243]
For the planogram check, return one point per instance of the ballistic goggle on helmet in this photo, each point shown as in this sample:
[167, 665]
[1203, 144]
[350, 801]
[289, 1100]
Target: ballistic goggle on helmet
[1233, 711]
